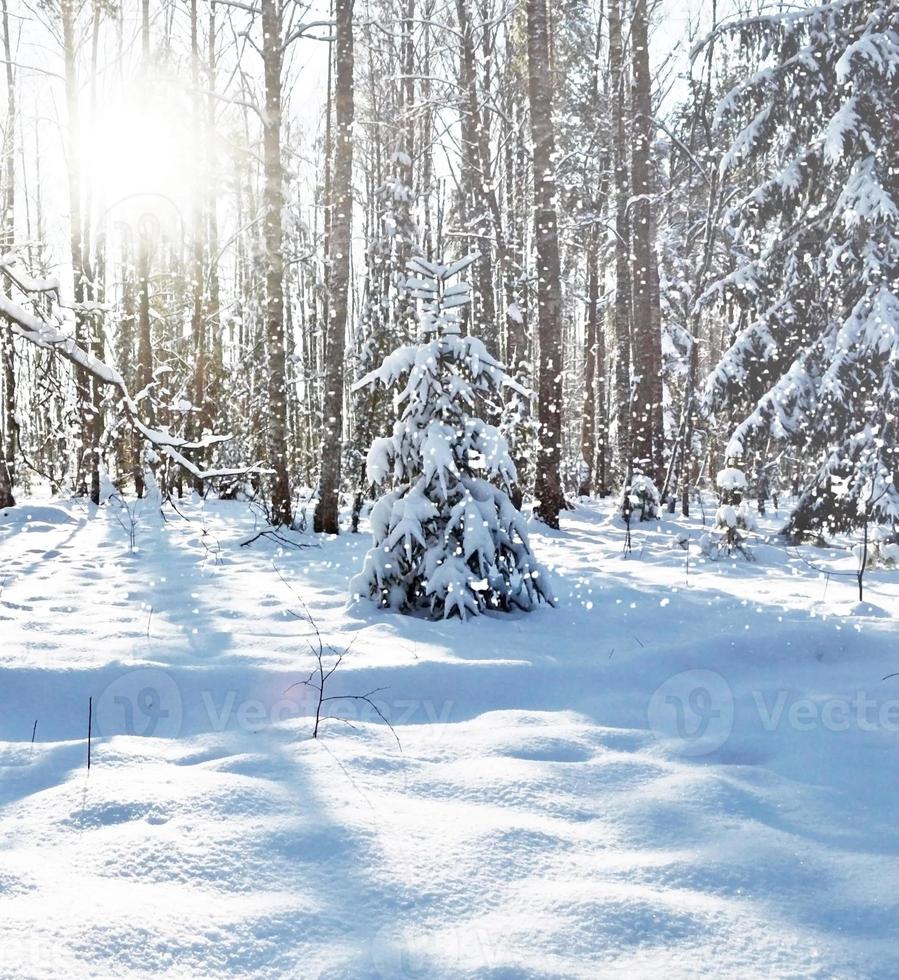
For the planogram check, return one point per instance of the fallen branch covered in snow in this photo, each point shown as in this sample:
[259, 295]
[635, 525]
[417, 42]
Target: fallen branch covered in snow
[47, 333]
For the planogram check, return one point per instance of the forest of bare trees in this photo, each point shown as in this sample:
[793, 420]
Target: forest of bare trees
[449, 489]
[210, 207]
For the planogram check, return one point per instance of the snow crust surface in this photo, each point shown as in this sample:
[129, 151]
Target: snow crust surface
[685, 769]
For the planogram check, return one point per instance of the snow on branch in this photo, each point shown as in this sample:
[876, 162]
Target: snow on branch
[47, 334]
[774, 21]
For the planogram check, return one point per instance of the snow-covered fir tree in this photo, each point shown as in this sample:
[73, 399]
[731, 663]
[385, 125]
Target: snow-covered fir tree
[446, 539]
[733, 519]
[815, 360]
[642, 498]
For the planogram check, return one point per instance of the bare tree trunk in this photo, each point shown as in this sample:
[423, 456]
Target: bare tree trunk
[592, 338]
[549, 499]
[274, 264]
[144, 341]
[95, 261]
[9, 139]
[88, 245]
[87, 393]
[407, 238]
[480, 206]
[327, 193]
[601, 466]
[621, 395]
[213, 299]
[326, 517]
[517, 351]
[647, 341]
[201, 415]
[8, 423]
[6, 496]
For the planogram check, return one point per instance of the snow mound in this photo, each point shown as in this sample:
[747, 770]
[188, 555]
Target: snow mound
[867, 609]
[36, 515]
[668, 775]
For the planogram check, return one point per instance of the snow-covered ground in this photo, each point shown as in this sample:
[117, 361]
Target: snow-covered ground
[687, 768]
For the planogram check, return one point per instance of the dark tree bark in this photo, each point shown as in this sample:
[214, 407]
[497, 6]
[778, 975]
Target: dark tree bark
[647, 341]
[549, 499]
[479, 204]
[518, 353]
[272, 200]
[621, 395]
[326, 517]
[6, 495]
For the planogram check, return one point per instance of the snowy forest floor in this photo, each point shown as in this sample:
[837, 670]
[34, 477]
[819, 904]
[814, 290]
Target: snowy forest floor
[687, 768]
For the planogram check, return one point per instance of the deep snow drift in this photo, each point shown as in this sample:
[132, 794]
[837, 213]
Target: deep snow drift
[686, 768]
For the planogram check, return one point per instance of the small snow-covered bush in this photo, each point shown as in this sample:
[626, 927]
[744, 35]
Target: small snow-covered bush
[446, 538]
[731, 481]
[882, 547]
[733, 519]
[643, 498]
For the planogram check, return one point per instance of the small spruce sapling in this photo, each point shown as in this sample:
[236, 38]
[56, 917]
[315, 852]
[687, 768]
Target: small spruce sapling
[733, 518]
[446, 538]
[877, 544]
[644, 497]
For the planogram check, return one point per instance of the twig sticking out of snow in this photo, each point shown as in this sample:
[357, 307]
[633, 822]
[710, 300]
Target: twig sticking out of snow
[90, 726]
[272, 534]
[321, 673]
